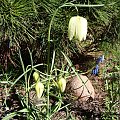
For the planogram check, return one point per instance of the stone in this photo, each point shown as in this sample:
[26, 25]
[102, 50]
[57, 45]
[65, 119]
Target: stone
[81, 88]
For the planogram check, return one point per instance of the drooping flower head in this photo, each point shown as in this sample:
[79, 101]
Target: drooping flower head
[36, 76]
[39, 87]
[62, 84]
[77, 28]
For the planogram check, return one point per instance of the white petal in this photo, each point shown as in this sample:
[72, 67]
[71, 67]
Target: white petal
[71, 27]
[81, 28]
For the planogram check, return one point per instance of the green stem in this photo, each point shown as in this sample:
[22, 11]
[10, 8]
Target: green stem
[48, 57]
[23, 74]
[64, 5]
[26, 81]
[48, 63]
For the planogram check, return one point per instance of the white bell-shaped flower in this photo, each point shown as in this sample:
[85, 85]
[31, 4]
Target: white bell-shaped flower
[77, 28]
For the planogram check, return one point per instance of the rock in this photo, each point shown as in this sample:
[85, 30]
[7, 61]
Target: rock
[83, 91]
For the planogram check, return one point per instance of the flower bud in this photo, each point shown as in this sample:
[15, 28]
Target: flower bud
[39, 87]
[77, 28]
[36, 76]
[62, 84]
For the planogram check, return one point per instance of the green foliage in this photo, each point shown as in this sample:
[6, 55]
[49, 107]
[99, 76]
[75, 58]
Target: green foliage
[42, 27]
[15, 19]
[112, 82]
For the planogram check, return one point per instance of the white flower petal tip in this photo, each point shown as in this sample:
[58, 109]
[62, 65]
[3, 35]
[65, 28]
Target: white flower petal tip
[39, 87]
[77, 28]
[62, 84]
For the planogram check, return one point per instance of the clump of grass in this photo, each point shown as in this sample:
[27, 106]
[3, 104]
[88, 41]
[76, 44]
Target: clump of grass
[112, 82]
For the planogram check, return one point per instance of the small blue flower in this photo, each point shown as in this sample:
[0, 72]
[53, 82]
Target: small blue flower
[95, 70]
[100, 59]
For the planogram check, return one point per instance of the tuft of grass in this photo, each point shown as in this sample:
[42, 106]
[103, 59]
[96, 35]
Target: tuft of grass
[112, 83]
